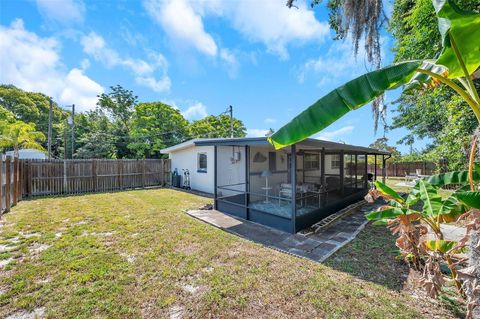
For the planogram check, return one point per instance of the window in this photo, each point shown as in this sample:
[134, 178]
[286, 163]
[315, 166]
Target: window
[272, 161]
[335, 161]
[202, 162]
[312, 162]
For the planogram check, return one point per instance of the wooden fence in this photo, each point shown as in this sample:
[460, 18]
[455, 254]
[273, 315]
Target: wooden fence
[54, 177]
[10, 182]
[403, 168]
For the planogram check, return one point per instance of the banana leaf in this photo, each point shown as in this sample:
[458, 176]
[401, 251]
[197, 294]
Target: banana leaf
[389, 213]
[451, 209]
[442, 246]
[432, 202]
[471, 199]
[342, 100]
[454, 24]
[390, 193]
[455, 177]
[464, 28]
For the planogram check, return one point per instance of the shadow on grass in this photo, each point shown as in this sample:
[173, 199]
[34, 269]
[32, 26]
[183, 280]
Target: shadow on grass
[371, 256]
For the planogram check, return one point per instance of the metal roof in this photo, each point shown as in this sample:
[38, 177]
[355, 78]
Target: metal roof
[309, 143]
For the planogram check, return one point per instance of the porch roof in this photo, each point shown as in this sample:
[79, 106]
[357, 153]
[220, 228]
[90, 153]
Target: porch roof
[309, 143]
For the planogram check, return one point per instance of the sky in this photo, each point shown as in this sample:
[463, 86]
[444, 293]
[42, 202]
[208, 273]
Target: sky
[267, 61]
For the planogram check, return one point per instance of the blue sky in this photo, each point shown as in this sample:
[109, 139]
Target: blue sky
[268, 61]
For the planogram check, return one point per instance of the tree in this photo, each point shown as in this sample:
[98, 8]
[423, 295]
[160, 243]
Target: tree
[216, 126]
[156, 125]
[382, 145]
[455, 66]
[31, 107]
[18, 135]
[95, 136]
[119, 105]
[361, 19]
[438, 114]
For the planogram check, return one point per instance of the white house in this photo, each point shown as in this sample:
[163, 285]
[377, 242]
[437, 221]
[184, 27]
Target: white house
[199, 160]
[288, 189]
[28, 153]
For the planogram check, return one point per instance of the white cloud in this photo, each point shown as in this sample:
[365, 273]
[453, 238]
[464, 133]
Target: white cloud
[334, 135]
[62, 11]
[95, 46]
[338, 63]
[195, 111]
[80, 90]
[269, 120]
[182, 23]
[272, 23]
[255, 132]
[32, 63]
[269, 22]
[230, 62]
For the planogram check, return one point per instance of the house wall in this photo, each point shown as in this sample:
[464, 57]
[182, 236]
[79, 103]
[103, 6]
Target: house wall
[230, 171]
[188, 159]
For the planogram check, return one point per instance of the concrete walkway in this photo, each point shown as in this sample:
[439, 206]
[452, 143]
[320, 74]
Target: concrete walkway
[316, 246]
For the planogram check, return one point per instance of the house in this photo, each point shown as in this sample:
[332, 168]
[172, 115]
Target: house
[28, 153]
[251, 180]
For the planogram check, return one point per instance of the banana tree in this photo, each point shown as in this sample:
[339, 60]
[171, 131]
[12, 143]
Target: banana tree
[460, 58]
[422, 212]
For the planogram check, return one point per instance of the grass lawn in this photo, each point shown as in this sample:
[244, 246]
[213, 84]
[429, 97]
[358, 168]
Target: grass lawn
[393, 181]
[136, 254]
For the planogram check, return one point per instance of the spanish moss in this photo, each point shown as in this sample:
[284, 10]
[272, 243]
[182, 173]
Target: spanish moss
[361, 19]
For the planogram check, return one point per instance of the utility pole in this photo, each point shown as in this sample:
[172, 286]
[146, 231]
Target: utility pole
[50, 114]
[231, 120]
[73, 129]
[65, 142]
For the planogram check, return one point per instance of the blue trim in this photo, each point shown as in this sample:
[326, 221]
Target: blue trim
[201, 170]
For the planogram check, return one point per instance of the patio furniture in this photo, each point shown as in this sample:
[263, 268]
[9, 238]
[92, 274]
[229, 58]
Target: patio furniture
[266, 174]
[410, 178]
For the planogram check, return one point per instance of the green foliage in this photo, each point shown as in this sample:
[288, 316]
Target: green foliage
[350, 96]
[119, 103]
[442, 246]
[216, 126]
[31, 107]
[382, 145]
[437, 114]
[155, 126]
[460, 30]
[454, 177]
[471, 199]
[19, 135]
[95, 136]
[119, 106]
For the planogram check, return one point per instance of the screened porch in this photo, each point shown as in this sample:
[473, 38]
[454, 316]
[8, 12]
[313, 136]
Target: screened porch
[291, 188]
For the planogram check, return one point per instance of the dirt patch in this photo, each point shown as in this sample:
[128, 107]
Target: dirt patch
[38, 248]
[5, 262]
[176, 312]
[35, 314]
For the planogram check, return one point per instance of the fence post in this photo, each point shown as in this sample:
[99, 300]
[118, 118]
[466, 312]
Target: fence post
[65, 183]
[1, 183]
[143, 173]
[29, 179]
[7, 184]
[15, 180]
[94, 174]
[119, 172]
[162, 174]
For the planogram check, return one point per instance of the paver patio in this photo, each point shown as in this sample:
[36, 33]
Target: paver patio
[316, 246]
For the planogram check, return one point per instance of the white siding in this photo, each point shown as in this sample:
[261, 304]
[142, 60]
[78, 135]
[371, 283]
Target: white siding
[188, 159]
